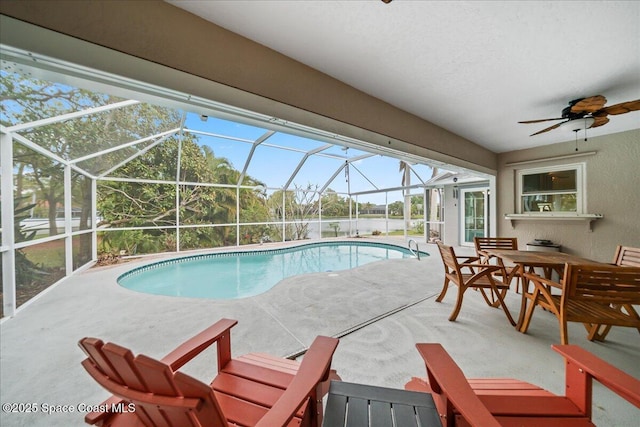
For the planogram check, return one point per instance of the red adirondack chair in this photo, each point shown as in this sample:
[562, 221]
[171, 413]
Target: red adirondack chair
[252, 390]
[506, 402]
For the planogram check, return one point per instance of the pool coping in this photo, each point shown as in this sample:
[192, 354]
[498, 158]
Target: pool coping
[258, 251]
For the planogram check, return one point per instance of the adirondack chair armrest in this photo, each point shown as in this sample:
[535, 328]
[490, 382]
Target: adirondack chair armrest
[314, 368]
[452, 383]
[219, 332]
[94, 418]
[582, 367]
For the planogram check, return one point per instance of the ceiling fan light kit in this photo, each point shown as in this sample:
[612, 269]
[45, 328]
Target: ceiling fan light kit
[576, 125]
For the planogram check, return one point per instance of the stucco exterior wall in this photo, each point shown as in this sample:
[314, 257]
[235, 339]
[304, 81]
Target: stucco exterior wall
[612, 189]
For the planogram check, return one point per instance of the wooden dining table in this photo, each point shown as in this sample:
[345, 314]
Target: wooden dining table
[528, 261]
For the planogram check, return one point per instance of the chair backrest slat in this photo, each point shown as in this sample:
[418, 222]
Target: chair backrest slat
[122, 361]
[448, 258]
[157, 375]
[159, 380]
[482, 243]
[93, 348]
[627, 256]
[606, 284]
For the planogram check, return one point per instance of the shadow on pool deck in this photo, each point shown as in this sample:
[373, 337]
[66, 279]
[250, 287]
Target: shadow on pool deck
[40, 360]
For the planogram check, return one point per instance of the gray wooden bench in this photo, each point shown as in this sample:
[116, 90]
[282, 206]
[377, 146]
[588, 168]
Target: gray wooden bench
[355, 405]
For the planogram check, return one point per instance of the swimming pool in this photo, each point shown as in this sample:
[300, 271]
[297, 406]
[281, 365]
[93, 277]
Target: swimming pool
[230, 275]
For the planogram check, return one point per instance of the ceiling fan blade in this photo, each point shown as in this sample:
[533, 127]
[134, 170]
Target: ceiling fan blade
[589, 105]
[541, 120]
[549, 128]
[623, 107]
[599, 121]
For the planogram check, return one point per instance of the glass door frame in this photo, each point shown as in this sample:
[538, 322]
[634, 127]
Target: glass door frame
[485, 213]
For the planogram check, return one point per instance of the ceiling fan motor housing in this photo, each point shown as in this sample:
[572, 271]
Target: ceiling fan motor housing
[568, 114]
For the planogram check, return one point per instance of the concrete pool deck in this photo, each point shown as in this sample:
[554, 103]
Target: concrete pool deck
[40, 360]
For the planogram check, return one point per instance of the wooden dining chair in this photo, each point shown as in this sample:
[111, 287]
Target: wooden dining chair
[252, 390]
[598, 296]
[627, 256]
[471, 274]
[507, 402]
[510, 243]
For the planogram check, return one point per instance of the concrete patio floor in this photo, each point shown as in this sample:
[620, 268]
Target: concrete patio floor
[40, 360]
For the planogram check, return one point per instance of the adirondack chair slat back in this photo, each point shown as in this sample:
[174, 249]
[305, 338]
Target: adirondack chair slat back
[159, 380]
[91, 347]
[162, 398]
[606, 284]
[627, 256]
[121, 360]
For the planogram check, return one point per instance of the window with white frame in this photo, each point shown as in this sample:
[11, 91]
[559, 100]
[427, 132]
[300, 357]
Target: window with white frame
[558, 189]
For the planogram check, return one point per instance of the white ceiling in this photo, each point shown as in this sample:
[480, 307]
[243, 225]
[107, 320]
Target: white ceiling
[475, 68]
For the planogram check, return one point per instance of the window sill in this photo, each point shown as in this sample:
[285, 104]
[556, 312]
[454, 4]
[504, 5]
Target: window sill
[551, 216]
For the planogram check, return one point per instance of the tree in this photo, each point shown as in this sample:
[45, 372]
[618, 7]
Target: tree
[26, 100]
[304, 206]
[132, 204]
[396, 208]
[417, 207]
[333, 205]
[366, 206]
[300, 205]
[279, 203]
[122, 204]
[25, 268]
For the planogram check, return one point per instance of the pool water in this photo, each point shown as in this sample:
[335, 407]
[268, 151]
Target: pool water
[232, 275]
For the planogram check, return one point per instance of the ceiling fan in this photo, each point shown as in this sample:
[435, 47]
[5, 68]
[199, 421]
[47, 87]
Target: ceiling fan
[585, 113]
